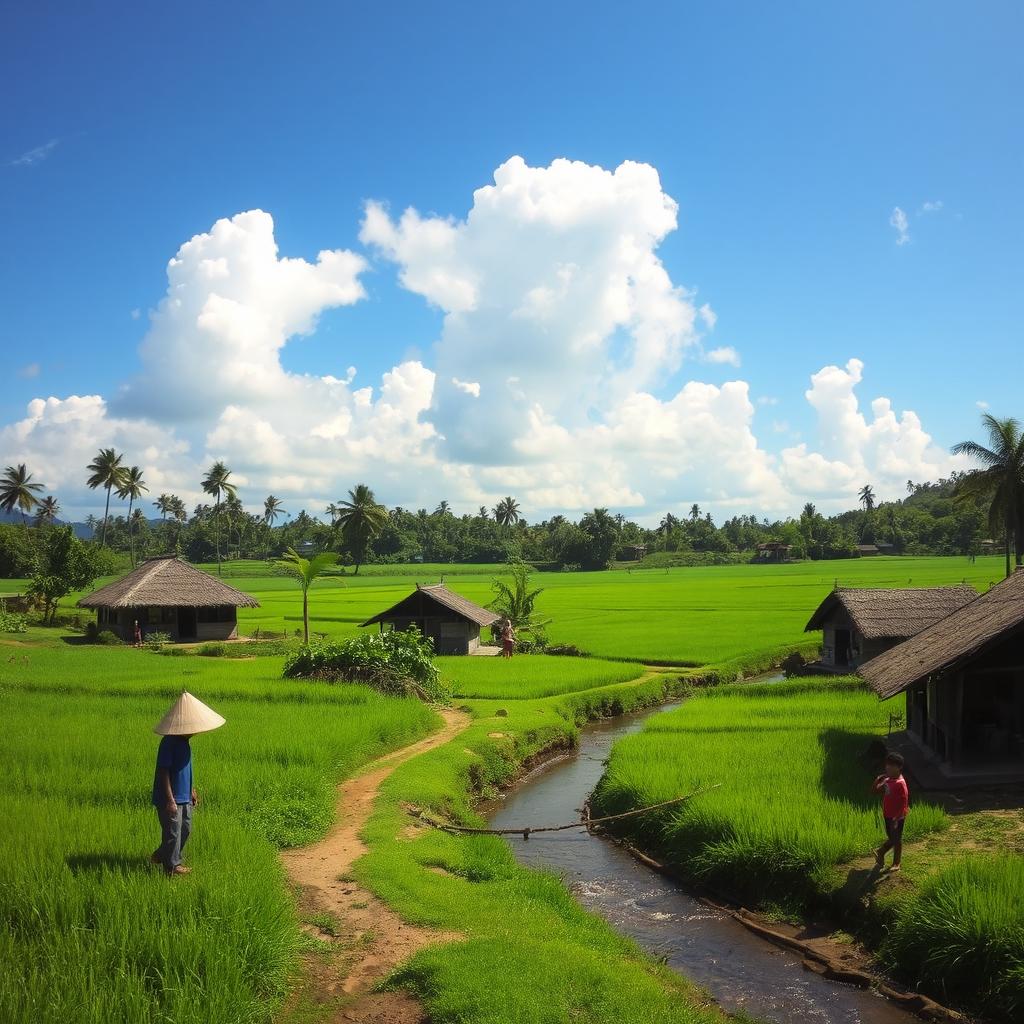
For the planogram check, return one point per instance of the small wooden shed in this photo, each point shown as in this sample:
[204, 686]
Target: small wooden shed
[964, 683]
[452, 622]
[773, 551]
[167, 595]
[858, 624]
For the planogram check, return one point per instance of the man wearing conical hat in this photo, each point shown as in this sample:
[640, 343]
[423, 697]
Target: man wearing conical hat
[173, 792]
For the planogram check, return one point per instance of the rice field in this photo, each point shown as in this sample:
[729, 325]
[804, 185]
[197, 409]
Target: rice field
[530, 675]
[90, 932]
[793, 797]
[685, 616]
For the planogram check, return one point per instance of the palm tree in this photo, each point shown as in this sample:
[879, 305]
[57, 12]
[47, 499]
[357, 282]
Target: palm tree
[515, 600]
[17, 490]
[333, 510]
[92, 522]
[234, 514]
[443, 509]
[105, 471]
[305, 571]
[216, 483]
[694, 512]
[272, 508]
[1001, 482]
[668, 523]
[506, 512]
[131, 486]
[360, 520]
[163, 505]
[867, 497]
[47, 511]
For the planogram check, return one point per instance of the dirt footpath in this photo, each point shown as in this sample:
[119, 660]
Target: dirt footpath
[372, 938]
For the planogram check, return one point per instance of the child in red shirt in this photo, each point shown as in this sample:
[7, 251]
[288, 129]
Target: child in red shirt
[895, 804]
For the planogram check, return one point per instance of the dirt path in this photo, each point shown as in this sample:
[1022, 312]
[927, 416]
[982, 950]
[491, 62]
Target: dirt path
[373, 938]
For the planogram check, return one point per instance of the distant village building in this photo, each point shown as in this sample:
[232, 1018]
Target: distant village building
[963, 677]
[452, 622]
[772, 551]
[858, 624]
[167, 595]
[633, 553]
[867, 550]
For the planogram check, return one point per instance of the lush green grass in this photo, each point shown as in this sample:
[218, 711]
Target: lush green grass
[88, 931]
[686, 616]
[794, 796]
[530, 675]
[961, 933]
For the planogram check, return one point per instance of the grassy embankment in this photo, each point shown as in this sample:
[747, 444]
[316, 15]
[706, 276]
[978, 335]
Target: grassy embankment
[793, 826]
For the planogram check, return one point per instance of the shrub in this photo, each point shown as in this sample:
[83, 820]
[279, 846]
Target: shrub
[10, 621]
[156, 640]
[106, 637]
[396, 662]
[216, 649]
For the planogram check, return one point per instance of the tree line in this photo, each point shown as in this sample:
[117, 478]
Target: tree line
[967, 514]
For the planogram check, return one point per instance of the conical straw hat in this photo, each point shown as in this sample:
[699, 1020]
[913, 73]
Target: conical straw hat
[188, 716]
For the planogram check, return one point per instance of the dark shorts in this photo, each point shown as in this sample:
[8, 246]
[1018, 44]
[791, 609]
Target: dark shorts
[894, 829]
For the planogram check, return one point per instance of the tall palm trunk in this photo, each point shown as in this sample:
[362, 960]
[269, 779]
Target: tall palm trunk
[131, 532]
[106, 516]
[305, 615]
[216, 531]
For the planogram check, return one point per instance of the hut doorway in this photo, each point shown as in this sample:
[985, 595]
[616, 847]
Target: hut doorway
[842, 647]
[186, 623]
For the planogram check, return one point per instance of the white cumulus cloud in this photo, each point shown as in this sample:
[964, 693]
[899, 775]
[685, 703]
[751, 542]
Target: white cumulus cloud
[898, 220]
[725, 354]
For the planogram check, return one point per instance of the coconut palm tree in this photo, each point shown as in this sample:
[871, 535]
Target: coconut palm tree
[866, 496]
[333, 511]
[305, 571]
[506, 512]
[668, 523]
[217, 484]
[131, 486]
[92, 522]
[1001, 482]
[47, 511]
[272, 508]
[361, 521]
[443, 509]
[694, 512]
[514, 600]
[163, 505]
[17, 490]
[105, 471]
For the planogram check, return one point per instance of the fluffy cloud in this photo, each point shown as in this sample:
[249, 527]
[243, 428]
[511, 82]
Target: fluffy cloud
[554, 376]
[885, 451]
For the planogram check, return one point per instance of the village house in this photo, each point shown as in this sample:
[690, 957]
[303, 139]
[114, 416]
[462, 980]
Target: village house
[964, 683]
[772, 551]
[451, 622]
[858, 624]
[167, 595]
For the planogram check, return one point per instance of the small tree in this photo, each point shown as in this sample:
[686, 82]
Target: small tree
[305, 571]
[515, 600]
[63, 564]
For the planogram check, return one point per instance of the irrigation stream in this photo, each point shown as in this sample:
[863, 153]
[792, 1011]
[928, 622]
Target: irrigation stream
[741, 971]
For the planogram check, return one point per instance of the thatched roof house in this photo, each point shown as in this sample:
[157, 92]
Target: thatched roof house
[964, 681]
[168, 595]
[452, 622]
[858, 624]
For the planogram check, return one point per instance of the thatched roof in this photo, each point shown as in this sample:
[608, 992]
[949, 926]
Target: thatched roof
[444, 597]
[167, 582]
[891, 614]
[984, 623]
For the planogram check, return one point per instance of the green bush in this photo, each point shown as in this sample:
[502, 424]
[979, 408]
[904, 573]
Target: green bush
[11, 622]
[156, 640]
[107, 638]
[216, 649]
[397, 662]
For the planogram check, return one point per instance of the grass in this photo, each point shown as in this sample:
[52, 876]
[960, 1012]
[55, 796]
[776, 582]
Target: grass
[685, 616]
[794, 794]
[89, 931]
[528, 676]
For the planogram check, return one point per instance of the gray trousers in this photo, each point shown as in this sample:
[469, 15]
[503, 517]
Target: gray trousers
[174, 832]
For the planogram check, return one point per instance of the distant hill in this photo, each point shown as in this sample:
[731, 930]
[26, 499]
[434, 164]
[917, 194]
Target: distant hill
[82, 532]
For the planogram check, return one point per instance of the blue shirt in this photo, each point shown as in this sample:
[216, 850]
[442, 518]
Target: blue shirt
[175, 755]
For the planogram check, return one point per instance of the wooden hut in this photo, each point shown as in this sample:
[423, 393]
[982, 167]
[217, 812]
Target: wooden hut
[772, 551]
[963, 677]
[858, 624]
[167, 595]
[452, 622]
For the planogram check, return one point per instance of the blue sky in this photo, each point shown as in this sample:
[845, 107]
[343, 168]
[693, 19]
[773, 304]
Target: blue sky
[787, 136]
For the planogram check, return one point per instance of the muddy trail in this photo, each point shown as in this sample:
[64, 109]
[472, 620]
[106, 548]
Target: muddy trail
[376, 939]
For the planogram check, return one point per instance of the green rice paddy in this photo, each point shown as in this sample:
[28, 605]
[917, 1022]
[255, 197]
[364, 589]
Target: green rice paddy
[530, 675]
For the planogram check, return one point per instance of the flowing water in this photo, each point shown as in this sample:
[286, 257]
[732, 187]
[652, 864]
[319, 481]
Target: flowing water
[739, 969]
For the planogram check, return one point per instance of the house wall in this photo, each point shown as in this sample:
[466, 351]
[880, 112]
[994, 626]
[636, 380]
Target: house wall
[121, 622]
[861, 649]
[450, 635]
